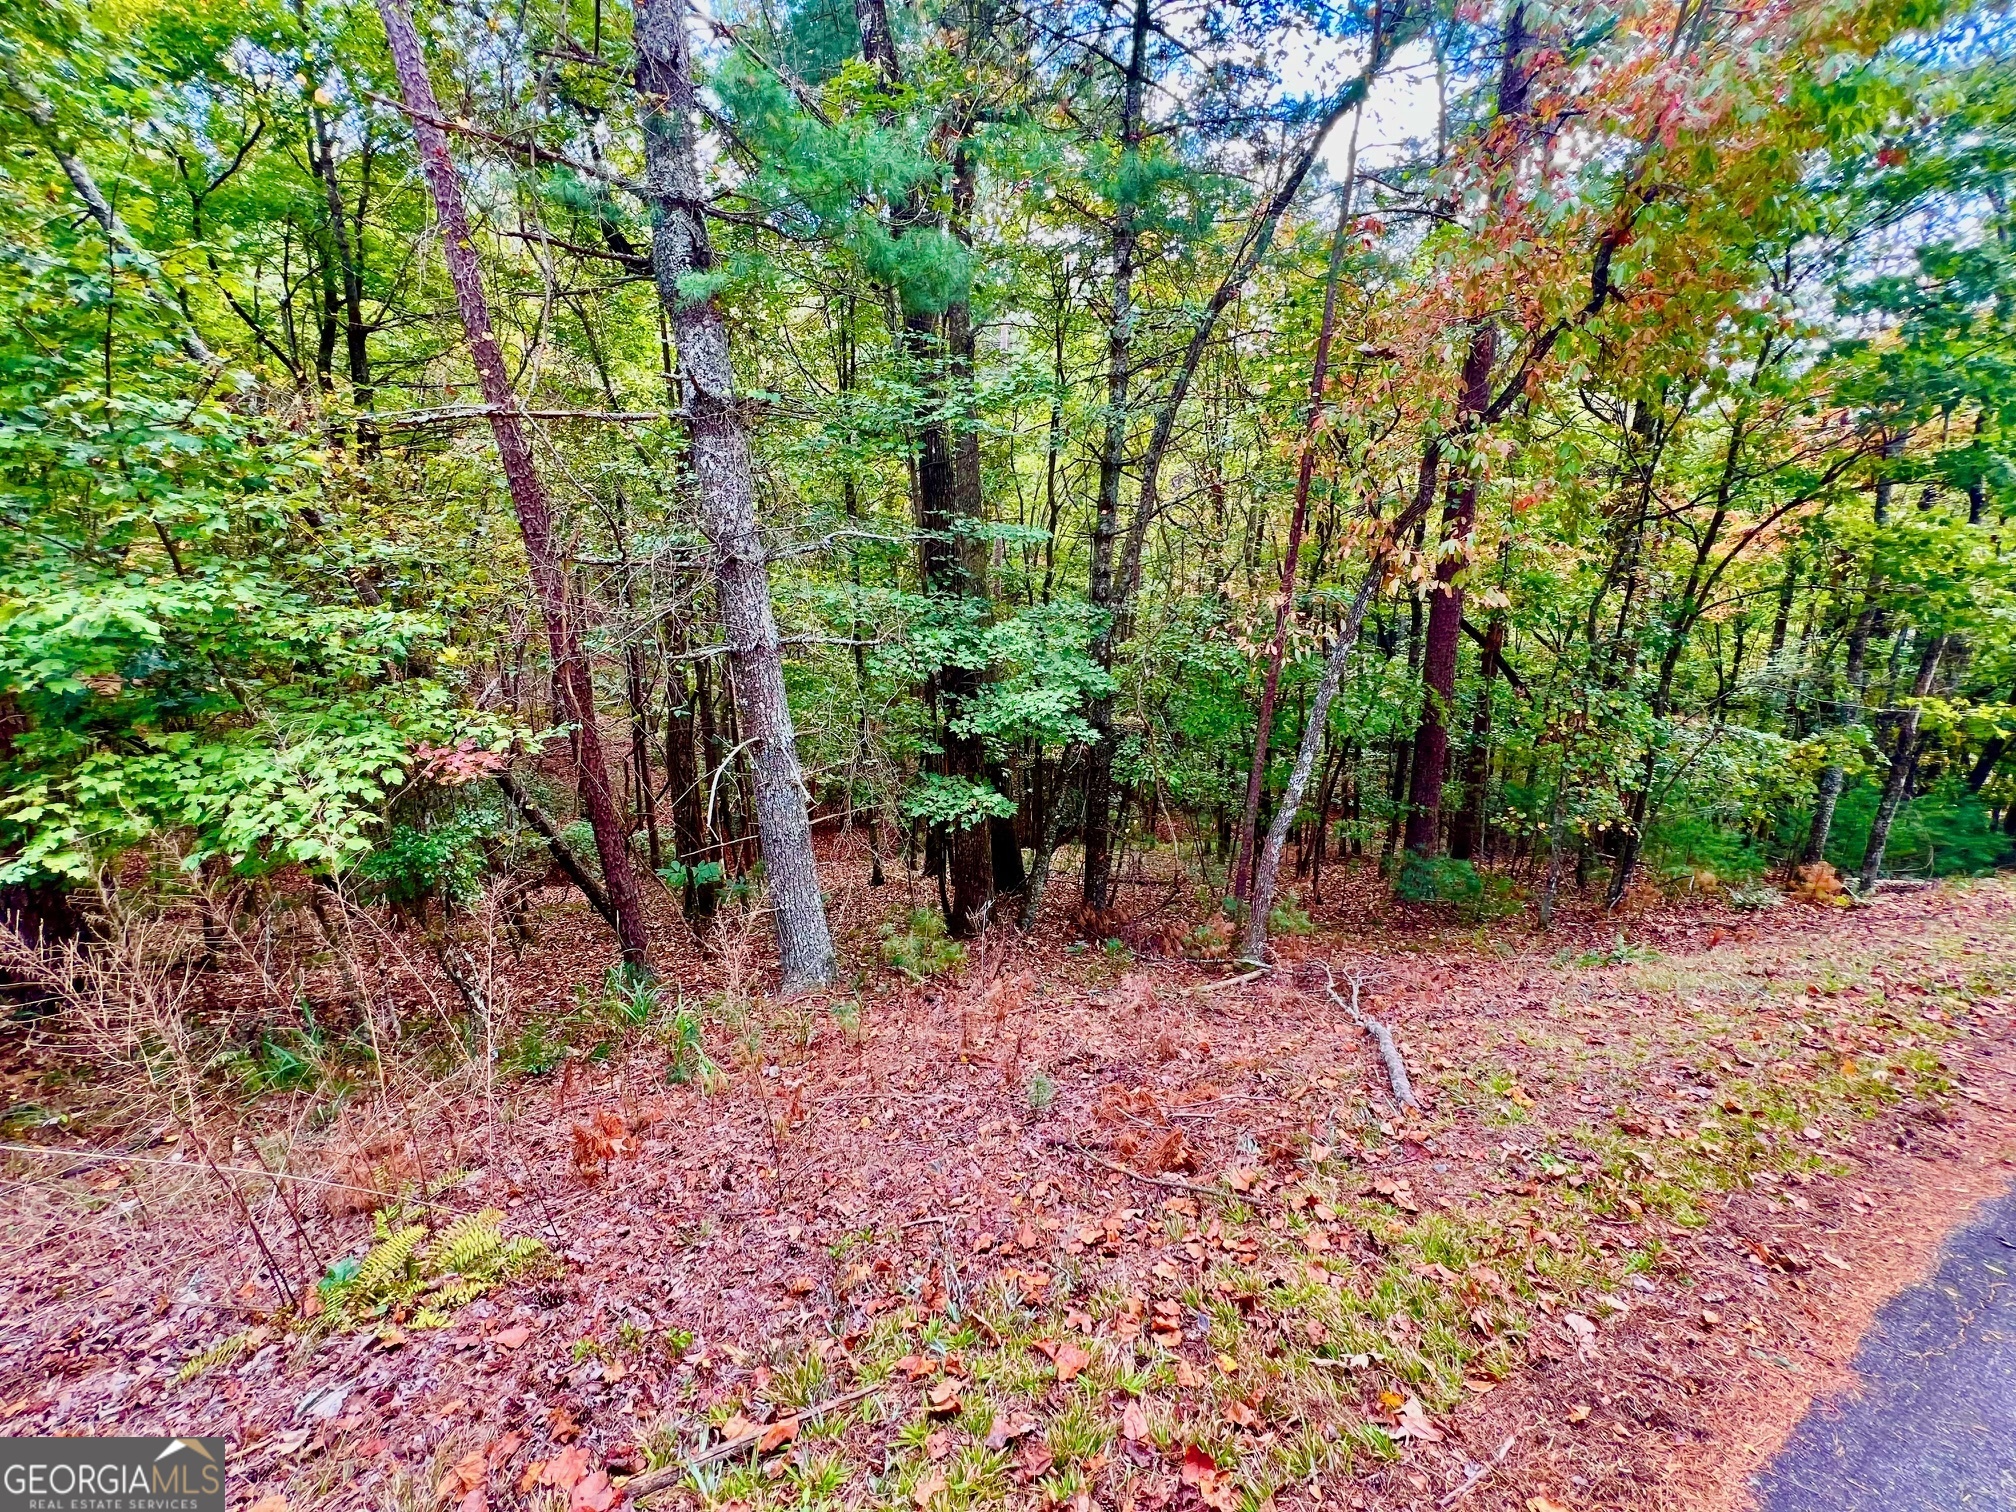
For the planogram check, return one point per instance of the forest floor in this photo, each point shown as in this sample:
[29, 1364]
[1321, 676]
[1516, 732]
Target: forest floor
[1070, 1225]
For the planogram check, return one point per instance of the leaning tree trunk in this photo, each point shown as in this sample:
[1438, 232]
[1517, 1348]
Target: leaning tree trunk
[1268, 869]
[1256, 775]
[528, 493]
[720, 456]
[1903, 764]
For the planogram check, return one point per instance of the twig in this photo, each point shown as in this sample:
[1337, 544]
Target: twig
[651, 1482]
[1161, 1181]
[1389, 1052]
[453, 414]
[1233, 981]
[268, 1173]
[1478, 1472]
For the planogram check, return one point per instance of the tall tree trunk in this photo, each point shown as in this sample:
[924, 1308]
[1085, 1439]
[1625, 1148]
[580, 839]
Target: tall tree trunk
[1268, 869]
[1834, 776]
[1104, 587]
[1903, 765]
[1445, 614]
[528, 493]
[1466, 834]
[680, 249]
[1297, 521]
[941, 345]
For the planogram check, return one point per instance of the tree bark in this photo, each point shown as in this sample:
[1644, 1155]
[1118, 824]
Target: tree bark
[1466, 834]
[556, 844]
[720, 458]
[528, 492]
[1903, 765]
[1268, 870]
[1445, 613]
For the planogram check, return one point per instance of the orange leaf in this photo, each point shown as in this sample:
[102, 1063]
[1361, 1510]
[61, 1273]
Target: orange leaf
[777, 1435]
[1133, 1421]
[1070, 1360]
[594, 1494]
[565, 1470]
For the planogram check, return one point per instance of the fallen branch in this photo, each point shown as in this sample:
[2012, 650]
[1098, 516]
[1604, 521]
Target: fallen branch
[651, 1482]
[1232, 981]
[1389, 1052]
[1478, 1472]
[1174, 1182]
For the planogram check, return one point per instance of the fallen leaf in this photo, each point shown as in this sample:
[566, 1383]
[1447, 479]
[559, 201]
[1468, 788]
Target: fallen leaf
[1070, 1360]
[565, 1470]
[915, 1367]
[1543, 1504]
[928, 1489]
[1579, 1413]
[469, 1472]
[1035, 1461]
[1007, 1429]
[1710, 1317]
[504, 1448]
[1412, 1422]
[476, 1499]
[1186, 1375]
[511, 1338]
[593, 1494]
[272, 1501]
[777, 1435]
[738, 1428]
[937, 1445]
[1239, 1415]
[942, 1399]
[1133, 1421]
[1213, 1486]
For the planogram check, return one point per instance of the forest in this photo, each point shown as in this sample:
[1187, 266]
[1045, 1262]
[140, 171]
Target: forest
[564, 554]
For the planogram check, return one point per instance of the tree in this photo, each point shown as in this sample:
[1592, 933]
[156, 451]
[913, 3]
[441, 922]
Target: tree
[528, 494]
[682, 262]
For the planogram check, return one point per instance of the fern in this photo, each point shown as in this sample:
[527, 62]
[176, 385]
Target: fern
[470, 1246]
[458, 1294]
[223, 1352]
[463, 1261]
[389, 1259]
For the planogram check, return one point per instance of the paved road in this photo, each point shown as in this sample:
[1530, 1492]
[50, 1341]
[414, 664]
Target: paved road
[1934, 1425]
